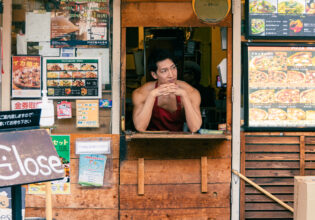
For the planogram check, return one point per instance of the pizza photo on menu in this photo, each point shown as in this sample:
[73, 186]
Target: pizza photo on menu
[300, 59]
[261, 62]
[275, 76]
[310, 77]
[279, 61]
[296, 114]
[308, 96]
[277, 114]
[310, 115]
[262, 96]
[288, 96]
[257, 114]
[294, 76]
[27, 78]
[257, 76]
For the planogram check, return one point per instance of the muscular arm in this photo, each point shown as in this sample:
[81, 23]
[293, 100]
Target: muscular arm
[191, 104]
[191, 101]
[142, 109]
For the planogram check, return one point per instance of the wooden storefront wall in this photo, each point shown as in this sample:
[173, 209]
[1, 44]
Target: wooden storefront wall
[172, 180]
[172, 167]
[83, 203]
[272, 160]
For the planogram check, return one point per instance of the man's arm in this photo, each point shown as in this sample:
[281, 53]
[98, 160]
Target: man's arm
[191, 101]
[142, 109]
[191, 104]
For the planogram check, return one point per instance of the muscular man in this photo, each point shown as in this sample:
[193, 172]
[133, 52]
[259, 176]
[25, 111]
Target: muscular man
[166, 103]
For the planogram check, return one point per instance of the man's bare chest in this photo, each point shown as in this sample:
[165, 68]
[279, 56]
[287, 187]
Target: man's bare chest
[168, 103]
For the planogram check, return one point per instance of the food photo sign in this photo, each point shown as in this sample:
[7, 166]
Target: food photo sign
[72, 78]
[26, 77]
[80, 24]
[279, 86]
[279, 19]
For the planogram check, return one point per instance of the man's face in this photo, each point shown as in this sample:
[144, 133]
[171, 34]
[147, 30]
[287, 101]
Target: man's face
[166, 72]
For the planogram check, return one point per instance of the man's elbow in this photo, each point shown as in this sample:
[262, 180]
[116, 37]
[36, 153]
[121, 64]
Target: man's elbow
[139, 128]
[195, 128]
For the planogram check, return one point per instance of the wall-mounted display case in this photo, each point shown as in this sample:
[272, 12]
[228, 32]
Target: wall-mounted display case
[280, 19]
[279, 86]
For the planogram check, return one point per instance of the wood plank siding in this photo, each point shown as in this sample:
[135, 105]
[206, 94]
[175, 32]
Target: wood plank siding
[172, 180]
[272, 160]
[83, 203]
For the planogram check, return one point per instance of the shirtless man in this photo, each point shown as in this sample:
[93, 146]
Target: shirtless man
[166, 103]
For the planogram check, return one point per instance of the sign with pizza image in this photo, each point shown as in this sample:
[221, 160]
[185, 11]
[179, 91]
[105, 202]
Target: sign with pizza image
[72, 78]
[26, 77]
[279, 86]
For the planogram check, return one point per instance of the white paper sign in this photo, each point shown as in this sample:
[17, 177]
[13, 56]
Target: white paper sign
[103, 53]
[21, 46]
[37, 26]
[46, 50]
[93, 147]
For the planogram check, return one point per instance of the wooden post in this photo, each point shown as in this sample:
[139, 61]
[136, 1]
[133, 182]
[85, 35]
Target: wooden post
[48, 196]
[48, 201]
[16, 194]
[140, 176]
[204, 174]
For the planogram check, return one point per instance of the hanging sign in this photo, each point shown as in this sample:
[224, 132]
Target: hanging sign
[28, 157]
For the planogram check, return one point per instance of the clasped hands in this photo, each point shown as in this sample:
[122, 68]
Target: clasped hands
[168, 89]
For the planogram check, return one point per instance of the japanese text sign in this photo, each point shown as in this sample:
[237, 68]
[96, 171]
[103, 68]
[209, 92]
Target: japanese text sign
[20, 119]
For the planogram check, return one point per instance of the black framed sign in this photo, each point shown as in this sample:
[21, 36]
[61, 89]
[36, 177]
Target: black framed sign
[280, 19]
[72, 78]
[279, 86]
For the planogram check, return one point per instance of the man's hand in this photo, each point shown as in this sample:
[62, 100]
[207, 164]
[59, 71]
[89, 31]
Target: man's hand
[167, 89]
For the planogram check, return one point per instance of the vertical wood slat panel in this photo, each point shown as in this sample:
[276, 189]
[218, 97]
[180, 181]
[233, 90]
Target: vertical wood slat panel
[242, 196]
[141, 176]
[229, 81]
[204, 174]
[282, 153]
[302, 156]
[123, 76]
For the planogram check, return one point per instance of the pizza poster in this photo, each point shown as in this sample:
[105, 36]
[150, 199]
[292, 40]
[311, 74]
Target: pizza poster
[80, 24]
[72, 78]
[26, 77]
[62, 145]
[280, 19]
[281, 86]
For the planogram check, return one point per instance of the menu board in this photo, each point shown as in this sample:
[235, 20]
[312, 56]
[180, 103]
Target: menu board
[280, 86]
[72, 78]
[278, 19]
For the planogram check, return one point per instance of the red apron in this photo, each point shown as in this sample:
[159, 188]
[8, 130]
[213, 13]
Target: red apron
[162, 119]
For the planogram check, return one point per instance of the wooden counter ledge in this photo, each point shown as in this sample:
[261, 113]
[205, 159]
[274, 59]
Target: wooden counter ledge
[174, 135]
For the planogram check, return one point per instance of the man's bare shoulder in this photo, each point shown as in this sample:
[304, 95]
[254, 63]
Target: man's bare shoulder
[142, 92]
[188, 88]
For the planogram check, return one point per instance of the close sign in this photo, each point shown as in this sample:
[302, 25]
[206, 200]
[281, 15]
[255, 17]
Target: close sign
[28, 157]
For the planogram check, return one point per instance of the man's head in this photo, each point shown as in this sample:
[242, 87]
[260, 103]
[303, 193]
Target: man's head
[162, 67]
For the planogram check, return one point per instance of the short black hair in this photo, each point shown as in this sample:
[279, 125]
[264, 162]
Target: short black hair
[156, 56]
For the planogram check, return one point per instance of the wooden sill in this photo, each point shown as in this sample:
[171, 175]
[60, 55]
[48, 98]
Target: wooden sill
[175, 135]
